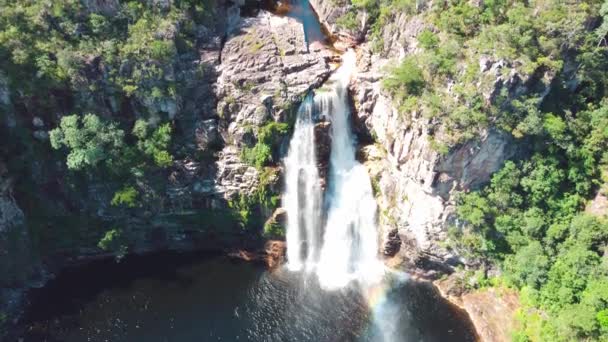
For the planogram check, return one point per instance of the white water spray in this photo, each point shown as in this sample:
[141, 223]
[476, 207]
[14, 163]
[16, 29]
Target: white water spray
[350, 245]
[302, 197]
[349, 249]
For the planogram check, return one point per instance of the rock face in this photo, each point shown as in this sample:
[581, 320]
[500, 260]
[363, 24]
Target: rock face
[10, 213]
[15, 254]
[491, 310]
[266, 68]
[415, 183]
[598, 206]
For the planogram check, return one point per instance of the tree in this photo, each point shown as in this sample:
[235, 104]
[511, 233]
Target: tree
[528, 267]
[568, 276]
[89, 141]
[154, 143]
[126, 197]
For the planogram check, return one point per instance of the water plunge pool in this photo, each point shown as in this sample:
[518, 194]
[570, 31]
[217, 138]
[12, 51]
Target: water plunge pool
[198, 297]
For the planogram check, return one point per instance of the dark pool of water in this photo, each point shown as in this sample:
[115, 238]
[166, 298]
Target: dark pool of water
[172, 297]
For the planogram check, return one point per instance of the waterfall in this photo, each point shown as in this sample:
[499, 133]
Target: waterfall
[302, 197]
[349, 248]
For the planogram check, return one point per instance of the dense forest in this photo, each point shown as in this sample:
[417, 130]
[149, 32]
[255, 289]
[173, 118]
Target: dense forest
[530, 222]
[528, 229]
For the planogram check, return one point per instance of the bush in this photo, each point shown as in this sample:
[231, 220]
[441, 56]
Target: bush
[348, 21]
[126, 197]
[114, 241]
[405, 80]
[258, 155]
[274, 230]
[269, 137]
[154, 143]
[428, 39]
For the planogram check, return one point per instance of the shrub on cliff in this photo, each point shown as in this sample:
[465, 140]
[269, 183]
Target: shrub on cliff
[405, 80]
[262, 152]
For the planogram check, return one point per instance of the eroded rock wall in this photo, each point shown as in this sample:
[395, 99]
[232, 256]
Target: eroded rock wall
[415, 183]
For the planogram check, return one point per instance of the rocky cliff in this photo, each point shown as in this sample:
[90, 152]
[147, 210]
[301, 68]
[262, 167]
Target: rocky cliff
[415, 181]
[251, 71]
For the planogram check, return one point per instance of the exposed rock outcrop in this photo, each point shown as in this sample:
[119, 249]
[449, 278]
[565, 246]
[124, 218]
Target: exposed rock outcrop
[329, 13]
[266, 69]
[15, 252]
[491, 310]
[272, 255]
[10, 213]
[416, 182]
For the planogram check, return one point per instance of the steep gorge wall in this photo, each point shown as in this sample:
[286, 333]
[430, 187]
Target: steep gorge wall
[416, 183]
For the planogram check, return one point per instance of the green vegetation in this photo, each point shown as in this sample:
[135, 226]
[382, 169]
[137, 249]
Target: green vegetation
[348, 21]
[127, 50]
[114, 241]
[269, 136]
[534, 39]
[107, 79]
[258, 155]
[405, 82]
[245, 208]
[529, 221]
[92, 142]
[250, 208]
[428, 40]
[154, 143]
[89, 140]
[274, 230]
[126, 197]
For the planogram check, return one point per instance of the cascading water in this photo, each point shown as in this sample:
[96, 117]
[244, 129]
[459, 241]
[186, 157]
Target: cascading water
[349, 249]
[350, 245]
[302, 197]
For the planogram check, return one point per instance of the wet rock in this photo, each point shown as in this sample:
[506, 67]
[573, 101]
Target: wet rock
[392, 243]
[266, 69]
[272, 255]
[279, 216]
[233, 176]
[330, 11]
[267, 63]
[323, 149]
[208, 135]
[37, 122]
[275, 253]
